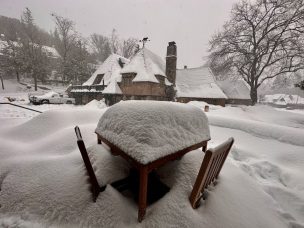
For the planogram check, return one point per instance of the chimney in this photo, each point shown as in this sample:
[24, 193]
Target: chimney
[171, 62]
[185, 67]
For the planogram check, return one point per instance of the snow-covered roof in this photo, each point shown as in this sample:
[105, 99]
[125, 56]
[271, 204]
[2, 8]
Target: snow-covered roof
[235, 89]
[197, 82]
[146, 65]
[49, 51]
[112, 88]
[149, 130]
[283, 99]
[110, 68]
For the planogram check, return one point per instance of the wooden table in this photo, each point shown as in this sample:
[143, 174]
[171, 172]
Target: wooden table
[145, 169]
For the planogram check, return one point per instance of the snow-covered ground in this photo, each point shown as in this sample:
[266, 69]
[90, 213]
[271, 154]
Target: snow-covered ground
[43, 180]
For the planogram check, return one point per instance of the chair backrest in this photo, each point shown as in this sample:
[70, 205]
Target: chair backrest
[210, 169]
[93, 180]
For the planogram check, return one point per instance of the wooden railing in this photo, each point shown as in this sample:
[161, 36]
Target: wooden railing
[87, 87]
[210, 169]
[19, 106]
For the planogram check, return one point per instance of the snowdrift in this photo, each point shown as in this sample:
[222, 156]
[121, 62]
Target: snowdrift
[43, 183]
[158, 128]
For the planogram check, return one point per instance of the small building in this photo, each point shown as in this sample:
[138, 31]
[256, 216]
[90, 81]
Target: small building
[237, 91]
[198, 84]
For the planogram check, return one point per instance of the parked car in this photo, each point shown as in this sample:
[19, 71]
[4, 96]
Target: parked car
[51, 98]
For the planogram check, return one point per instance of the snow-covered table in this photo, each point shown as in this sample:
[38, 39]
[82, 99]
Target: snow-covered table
[150, 133]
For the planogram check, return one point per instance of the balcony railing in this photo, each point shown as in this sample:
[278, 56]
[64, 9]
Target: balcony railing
[87, 88]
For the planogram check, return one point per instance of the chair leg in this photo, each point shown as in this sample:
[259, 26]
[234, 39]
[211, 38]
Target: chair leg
[143, 184]
[103, 188]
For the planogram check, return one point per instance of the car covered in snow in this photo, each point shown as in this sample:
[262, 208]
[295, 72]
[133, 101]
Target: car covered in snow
[51, 98]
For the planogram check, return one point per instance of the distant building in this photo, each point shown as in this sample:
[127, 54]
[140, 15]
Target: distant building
[237, 91]
[198, 84]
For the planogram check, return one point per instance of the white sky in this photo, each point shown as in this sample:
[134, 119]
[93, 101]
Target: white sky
[190, 23]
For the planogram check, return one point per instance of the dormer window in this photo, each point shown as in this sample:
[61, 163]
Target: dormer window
[98, 79]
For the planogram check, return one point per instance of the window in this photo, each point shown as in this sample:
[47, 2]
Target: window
[98, 79]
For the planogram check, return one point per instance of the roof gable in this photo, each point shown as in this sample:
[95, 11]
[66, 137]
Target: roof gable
[110, 68]
[146, 65]
[112, 88]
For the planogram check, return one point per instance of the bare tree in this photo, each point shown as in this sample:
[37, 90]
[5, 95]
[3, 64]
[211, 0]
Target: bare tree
[262, 40]
[101, 46]
[66, 38]
[34, 57]
[129, 47]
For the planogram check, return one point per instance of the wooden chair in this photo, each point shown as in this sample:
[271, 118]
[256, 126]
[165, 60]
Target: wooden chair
[95, 187]
[210, 169]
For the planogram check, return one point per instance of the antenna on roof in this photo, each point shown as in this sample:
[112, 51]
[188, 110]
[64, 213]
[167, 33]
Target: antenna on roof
[144, 41]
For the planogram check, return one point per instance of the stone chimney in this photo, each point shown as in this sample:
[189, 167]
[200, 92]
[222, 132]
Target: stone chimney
[171, 62]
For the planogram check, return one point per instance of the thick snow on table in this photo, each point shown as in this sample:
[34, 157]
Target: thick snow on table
[148, 130]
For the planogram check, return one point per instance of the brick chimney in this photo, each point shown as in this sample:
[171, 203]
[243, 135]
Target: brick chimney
[171, 62]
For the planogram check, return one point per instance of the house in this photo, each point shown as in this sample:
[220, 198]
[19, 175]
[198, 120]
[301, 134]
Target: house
[145, 77]
[237, 91]
[198, 84]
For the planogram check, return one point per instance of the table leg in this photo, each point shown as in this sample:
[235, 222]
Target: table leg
[204, 148]
[143, 184]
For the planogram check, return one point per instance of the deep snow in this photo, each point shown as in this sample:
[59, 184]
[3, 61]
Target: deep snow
[147, 131]
[43, 180]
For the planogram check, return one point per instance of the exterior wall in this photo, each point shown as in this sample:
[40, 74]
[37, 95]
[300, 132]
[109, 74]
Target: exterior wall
[111, 99]
[144, 89]
[239, 101]
[129, 88]
[214, 101]
[85, 97]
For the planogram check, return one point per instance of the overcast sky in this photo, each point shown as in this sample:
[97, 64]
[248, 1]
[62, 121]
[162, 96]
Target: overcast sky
[190, 23]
